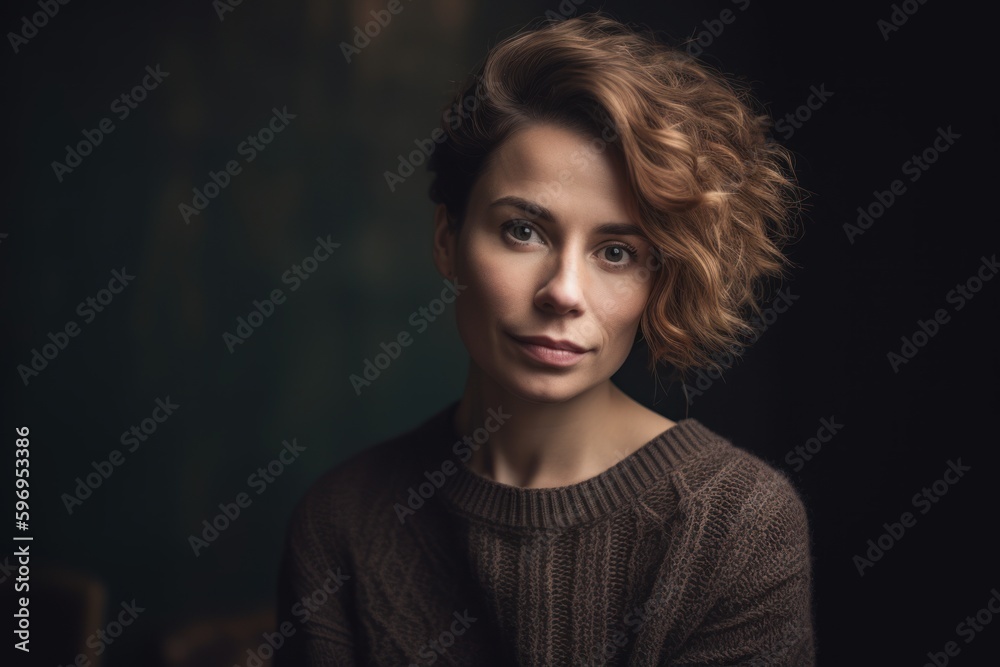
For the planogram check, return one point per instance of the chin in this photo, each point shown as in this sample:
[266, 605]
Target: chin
[541, 386]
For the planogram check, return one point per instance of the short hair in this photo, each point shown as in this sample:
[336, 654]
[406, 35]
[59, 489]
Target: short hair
[714, 194]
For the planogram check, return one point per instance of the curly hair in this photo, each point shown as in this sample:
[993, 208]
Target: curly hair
[715, 197]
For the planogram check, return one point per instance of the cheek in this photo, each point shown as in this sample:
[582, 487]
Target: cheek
[620, 306]
[493, 289]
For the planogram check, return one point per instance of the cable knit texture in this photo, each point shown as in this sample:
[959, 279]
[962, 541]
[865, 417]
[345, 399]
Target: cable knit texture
[690, 551]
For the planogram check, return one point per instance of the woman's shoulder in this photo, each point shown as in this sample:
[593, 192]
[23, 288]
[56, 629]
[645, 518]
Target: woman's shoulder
[735, 483]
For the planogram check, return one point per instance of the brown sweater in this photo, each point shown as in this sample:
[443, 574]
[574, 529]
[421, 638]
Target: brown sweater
[690, 551]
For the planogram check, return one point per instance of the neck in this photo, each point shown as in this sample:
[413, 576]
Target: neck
[543, 444]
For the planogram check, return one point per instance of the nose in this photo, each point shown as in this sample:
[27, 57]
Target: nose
[562, 292]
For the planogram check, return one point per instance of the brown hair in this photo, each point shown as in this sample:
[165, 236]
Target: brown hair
[714, 196]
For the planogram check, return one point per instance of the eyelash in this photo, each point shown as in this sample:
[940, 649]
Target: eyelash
[632, 251]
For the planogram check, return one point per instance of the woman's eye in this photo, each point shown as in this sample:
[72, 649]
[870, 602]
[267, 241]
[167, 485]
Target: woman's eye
[619, 255]
[522, 232]
[615, 254]
[519, 232]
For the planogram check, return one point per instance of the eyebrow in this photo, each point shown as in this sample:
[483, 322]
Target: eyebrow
[530, 208]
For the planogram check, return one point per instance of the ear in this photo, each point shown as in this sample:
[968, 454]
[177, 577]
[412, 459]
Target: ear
[445, 243]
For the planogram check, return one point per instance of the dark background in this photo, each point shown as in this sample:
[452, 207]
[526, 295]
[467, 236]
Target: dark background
[826, 357]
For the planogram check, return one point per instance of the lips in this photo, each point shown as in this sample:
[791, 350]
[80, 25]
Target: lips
[545, 341]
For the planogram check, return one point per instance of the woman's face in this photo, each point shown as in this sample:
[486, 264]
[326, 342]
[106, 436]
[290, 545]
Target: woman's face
[548, 249]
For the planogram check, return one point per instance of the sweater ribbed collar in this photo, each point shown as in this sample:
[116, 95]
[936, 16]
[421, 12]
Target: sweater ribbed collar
[599, 496]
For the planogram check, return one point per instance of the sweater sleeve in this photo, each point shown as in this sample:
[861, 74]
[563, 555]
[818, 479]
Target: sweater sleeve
[313, 597]
[763, 615]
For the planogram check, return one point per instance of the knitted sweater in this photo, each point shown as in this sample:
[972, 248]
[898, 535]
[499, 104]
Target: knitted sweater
[689, 551]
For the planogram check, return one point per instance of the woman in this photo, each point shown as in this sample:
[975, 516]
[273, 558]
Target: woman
[589, 183]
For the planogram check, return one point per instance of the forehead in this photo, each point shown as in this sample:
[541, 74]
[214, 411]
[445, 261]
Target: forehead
[572, 174]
